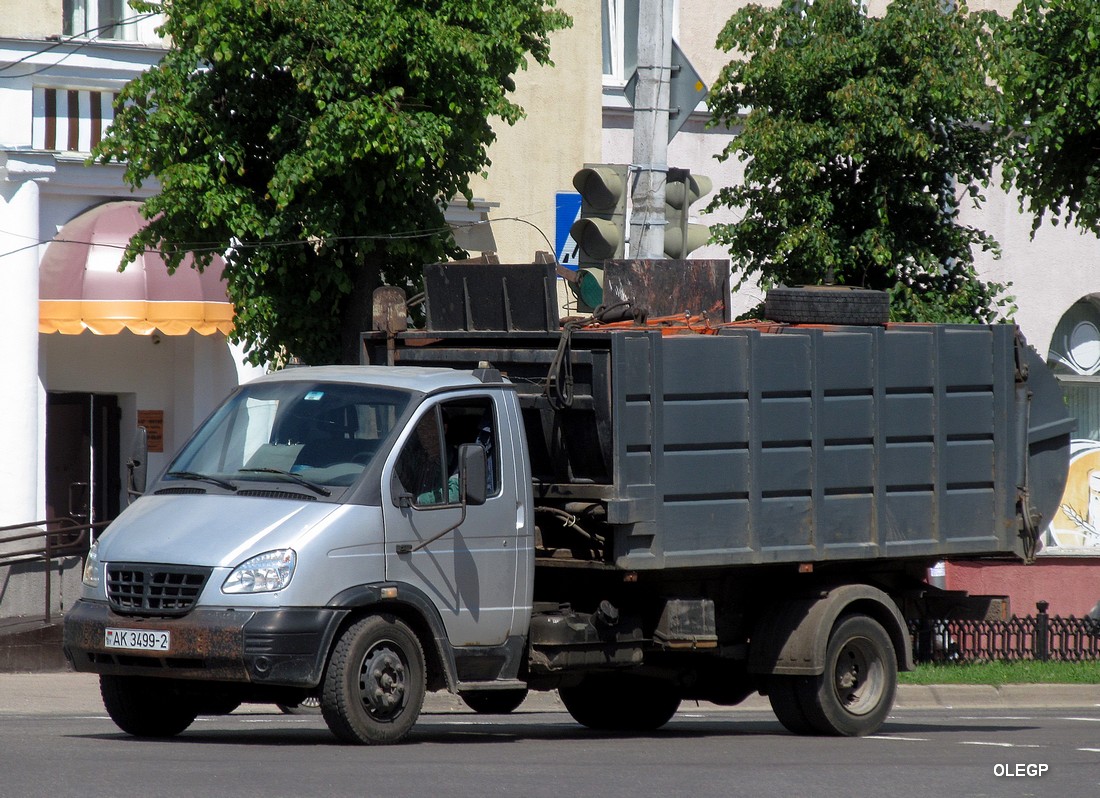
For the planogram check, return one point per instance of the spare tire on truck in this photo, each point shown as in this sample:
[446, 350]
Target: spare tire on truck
[827, 304]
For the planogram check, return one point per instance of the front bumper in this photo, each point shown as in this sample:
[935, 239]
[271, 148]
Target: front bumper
[283, 647]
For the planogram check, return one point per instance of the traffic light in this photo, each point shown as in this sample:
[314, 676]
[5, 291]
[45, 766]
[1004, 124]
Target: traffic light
[600, 232]
[682, 189]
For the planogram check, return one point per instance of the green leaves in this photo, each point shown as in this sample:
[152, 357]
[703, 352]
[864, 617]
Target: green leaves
[310, 137]
[1048, 66]
[859, 138]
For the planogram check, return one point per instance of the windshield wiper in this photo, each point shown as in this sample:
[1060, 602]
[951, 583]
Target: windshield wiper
[305, 483]
[195, 475]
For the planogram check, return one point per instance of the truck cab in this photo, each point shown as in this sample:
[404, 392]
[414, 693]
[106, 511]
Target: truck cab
[310, 500]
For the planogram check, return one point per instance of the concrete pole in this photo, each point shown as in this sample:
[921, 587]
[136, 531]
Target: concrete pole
[651, 104]
[21, 466]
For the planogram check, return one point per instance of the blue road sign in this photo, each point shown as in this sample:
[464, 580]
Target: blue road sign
[567, 210]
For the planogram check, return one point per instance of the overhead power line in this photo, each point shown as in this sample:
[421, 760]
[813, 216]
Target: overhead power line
[220, 247]
[81, 40]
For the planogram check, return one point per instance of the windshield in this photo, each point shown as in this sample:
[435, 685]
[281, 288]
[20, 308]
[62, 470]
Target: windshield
[308, 433]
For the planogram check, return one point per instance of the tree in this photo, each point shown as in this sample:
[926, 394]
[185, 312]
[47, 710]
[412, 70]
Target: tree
[1049, 71]
[320, 140]
[860, 137]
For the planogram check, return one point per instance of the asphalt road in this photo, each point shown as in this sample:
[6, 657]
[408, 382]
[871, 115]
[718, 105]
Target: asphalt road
[58, 742]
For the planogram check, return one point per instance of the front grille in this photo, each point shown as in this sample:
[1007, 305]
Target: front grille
[154, 589]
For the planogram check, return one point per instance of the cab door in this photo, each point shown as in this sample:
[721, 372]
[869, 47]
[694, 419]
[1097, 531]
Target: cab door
[471, 571]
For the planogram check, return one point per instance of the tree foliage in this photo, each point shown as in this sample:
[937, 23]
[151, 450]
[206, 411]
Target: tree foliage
[1049, 71]
[320, 139]
[861, 137]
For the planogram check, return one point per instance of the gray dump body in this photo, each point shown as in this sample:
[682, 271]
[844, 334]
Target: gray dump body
[778, 443]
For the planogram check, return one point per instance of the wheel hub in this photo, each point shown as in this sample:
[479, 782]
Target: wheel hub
[858, 676]
[382, 682]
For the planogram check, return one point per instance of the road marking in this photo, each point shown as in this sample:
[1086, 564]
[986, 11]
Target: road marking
[1090, 750]
[1087, 720]
[460, 722]
[1002, 745]
[992, 717]
[892, 737]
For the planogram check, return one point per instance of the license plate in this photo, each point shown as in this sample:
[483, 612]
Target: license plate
[138, 639]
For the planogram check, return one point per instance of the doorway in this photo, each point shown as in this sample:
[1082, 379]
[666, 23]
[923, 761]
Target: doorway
[83, 467]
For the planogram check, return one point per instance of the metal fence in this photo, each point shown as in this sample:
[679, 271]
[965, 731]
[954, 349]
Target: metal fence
[1033, 637]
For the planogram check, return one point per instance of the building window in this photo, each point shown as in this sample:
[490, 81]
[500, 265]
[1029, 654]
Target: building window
[70, 120]
[1074, 357]
[620, 37]
[613, 39]
[95, 19]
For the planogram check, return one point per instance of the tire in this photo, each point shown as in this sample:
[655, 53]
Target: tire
[494, 702]
[783, 696]
[621, 702]
[856, 692]
[375, 684]
[827, 304]
[147, 707]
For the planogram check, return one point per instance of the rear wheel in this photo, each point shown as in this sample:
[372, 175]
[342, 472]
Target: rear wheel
[783, 696]
[621, 702]
[856, 692]
[147, 707]
[375, 684]
[494, 702]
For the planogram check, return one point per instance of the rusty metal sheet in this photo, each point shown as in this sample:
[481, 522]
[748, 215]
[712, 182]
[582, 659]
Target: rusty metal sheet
[670, 287]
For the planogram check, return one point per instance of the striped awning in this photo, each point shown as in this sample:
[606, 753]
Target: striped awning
[81, 288]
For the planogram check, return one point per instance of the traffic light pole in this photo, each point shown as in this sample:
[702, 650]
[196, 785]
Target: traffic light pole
[651, 111]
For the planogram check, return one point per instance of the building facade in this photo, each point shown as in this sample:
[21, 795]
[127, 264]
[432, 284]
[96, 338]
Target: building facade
[89, 351]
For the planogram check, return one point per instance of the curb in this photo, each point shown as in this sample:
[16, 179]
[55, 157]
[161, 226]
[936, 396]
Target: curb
[1006, 696]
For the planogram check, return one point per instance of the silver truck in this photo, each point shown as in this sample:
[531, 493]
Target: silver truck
[630, 517]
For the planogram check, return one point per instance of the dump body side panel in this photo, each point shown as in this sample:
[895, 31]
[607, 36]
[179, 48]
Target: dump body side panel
[815, 445]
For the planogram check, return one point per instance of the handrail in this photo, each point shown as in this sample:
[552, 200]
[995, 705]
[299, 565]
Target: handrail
[69, 539]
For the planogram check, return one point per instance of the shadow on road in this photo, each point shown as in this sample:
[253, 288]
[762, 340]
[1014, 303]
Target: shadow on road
[467, 729]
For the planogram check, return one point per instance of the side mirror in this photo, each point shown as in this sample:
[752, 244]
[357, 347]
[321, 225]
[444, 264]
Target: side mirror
[137, 466]
[471, 480]
[472, 473]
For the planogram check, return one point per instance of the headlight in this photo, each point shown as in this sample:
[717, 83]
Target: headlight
[91, 566]
[263, 573]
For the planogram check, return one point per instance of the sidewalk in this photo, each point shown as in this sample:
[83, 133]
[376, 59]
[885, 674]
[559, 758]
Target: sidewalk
[65, 693]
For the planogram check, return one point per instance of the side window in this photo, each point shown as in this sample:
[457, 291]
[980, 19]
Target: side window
[472, 421]
[428, 465]
[420, 468]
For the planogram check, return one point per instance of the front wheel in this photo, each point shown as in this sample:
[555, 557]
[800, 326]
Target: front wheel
[856, 692]
[147, 707]
[621, 702]
[375, 684]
